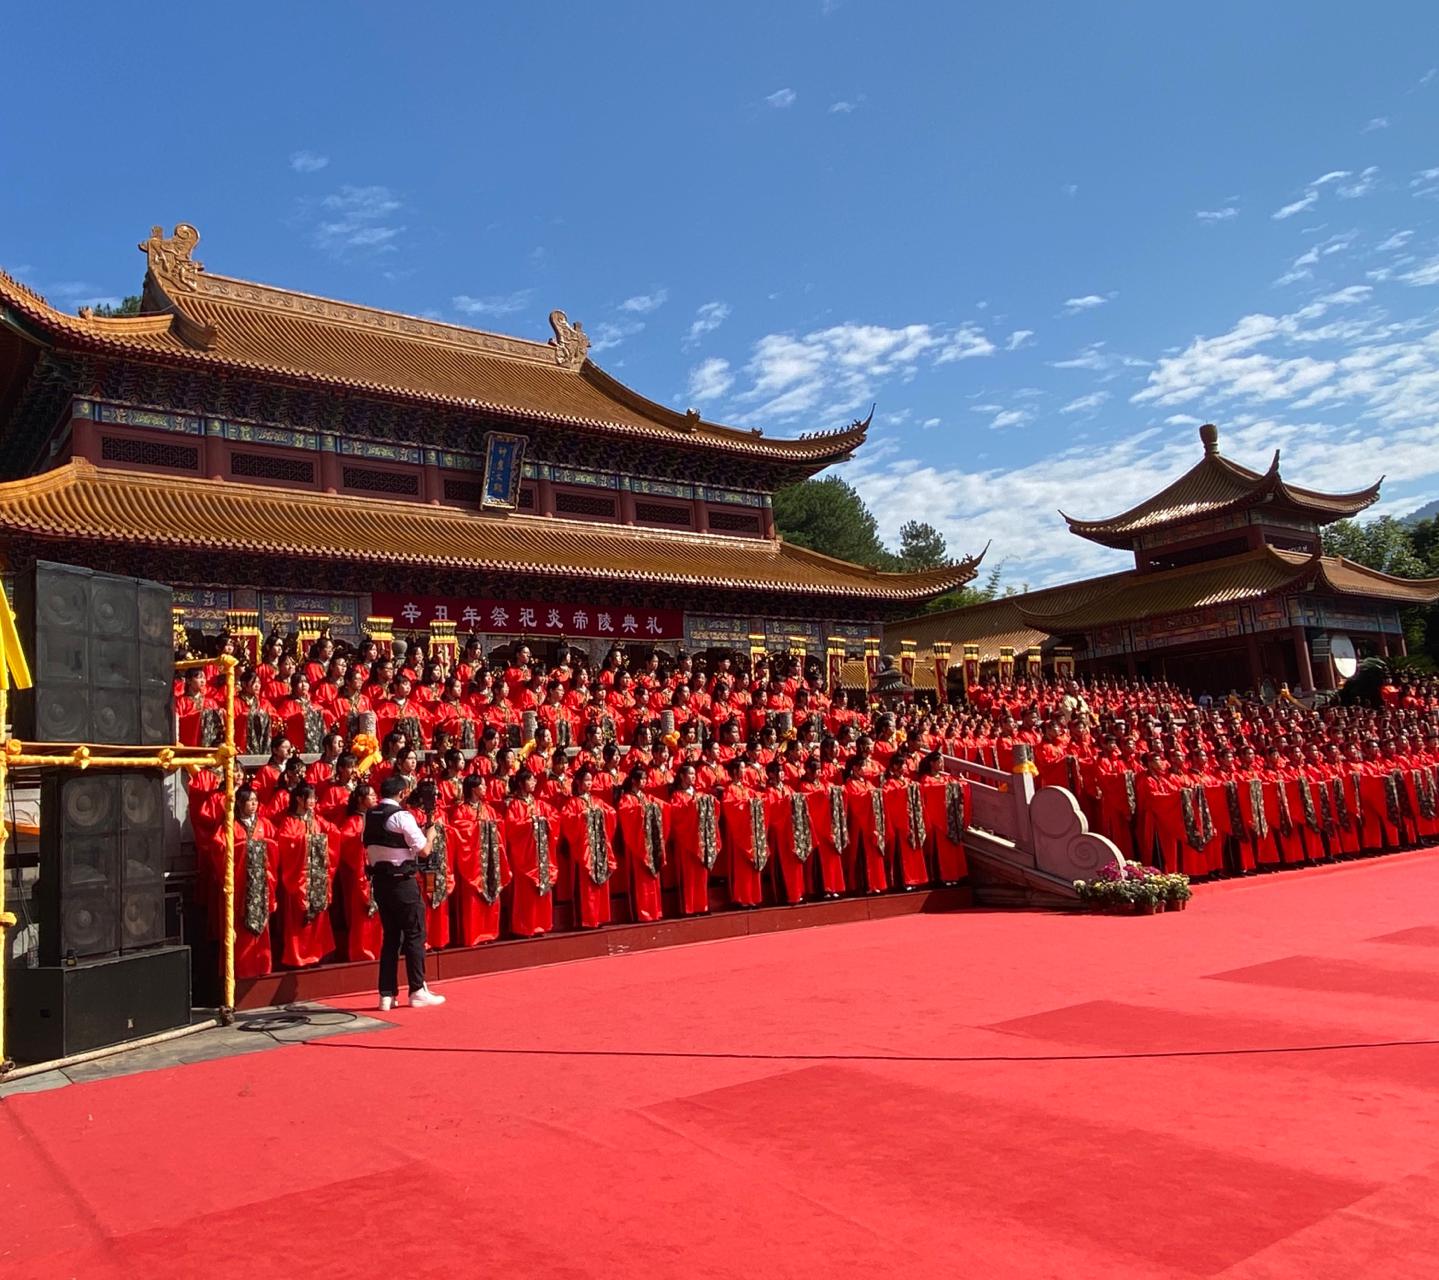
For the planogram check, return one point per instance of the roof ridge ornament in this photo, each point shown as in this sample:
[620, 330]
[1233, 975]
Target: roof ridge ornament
[571, 342]
[1209, 437]
[173, 256]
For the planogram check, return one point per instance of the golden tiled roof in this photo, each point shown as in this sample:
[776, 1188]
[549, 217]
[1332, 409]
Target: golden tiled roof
[195, 317]
[993, 625]
[1214, 485]
[81, 502]
[1032, 618]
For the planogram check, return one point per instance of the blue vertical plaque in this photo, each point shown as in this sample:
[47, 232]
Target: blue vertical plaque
[504, 464]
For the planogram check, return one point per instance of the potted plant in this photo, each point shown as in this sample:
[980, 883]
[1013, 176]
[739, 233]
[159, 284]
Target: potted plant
[1176, 891]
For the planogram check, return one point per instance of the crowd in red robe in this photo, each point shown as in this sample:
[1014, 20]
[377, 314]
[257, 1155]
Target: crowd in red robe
[1228, 788]
[571, 797]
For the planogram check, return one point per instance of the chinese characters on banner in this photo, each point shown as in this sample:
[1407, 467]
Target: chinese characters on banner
[532, 618]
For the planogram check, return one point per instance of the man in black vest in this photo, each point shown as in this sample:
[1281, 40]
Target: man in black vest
[393, 845]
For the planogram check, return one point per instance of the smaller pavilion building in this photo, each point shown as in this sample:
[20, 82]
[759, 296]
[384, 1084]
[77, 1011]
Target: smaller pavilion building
[1230, 590]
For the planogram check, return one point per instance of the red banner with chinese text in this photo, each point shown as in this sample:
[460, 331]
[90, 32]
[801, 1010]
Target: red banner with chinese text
[531, 618]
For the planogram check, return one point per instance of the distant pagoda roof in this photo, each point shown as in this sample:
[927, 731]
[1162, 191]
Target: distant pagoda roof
[1215, 486]
[78, 501]
[1132, 596]
[192, 317]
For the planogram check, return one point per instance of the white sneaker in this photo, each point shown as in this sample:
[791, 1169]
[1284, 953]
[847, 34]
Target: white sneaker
[386, 1003]
[424, 997]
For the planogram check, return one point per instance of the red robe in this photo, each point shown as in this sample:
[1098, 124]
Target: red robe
[437, 918]
[362, 920]
[864, 812]
[477, 900]
[905, 845]
[646, 901]
[593, 867]
[532, 888]
[779, 818]
[304, 941]
[686, 850]
[253, 958]
[948, 854]
[746, 850]
[829, 844]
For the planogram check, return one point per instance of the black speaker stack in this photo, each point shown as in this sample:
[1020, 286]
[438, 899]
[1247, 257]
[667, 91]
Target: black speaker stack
[102, 661]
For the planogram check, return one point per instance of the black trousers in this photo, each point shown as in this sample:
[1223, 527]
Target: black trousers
[402, 925]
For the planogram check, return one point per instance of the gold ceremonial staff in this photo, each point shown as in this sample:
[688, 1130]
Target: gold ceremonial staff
[14, 754]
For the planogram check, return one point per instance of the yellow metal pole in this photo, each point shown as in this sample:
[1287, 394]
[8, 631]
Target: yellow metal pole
[12, 666]
[227, 972]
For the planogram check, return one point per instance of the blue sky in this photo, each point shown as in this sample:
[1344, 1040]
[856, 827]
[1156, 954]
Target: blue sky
[1047, 240]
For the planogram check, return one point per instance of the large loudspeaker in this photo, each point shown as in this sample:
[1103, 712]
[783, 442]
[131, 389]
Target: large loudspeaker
[57, 1010]
[101, 654]
[102, 862]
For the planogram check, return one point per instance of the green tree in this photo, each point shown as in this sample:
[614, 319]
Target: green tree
[129, 306]
[968, 595]
[830, 517]
[1384, 544]
[921, 546]
[1403, 550]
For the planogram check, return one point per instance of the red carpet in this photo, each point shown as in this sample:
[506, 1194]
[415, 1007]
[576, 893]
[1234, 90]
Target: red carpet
[980, 1094]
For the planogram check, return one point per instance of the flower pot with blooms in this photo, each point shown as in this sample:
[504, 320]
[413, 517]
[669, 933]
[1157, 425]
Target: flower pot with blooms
[1176, 891]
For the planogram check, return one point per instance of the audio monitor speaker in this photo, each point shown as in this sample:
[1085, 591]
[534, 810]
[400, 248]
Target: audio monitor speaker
[101, 654]
[102, 862]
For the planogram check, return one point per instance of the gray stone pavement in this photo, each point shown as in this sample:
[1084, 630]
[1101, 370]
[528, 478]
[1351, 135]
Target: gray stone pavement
[254, 1031]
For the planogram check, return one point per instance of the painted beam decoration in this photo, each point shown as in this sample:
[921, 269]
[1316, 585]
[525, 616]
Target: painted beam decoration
[532, 617]
[504, 468]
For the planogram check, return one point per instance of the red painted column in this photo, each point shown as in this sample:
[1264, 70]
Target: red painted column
[544, 497]
[329, 464]
[766, 516]
[432, 486]
[85, 440]
[1301, 654]
[627, 502]
[701, 515]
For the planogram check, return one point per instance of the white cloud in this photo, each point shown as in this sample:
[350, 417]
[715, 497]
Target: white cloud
[1086, 302]
[1334, 175]
[307, 161]
[1095, 357]
[1082, 404]
[358, 219]
[502, 304]
[613, 332]
[707, 319]
[840, 108]
[1070, 189]
[1018, 339]
[710, 379]
[1351, 293]
[1378, 122]
[782, 98]
[930, 422]
[1010, 418]
[1397, 241]
[1346, 388]
[1429, 75]
[1307, 201]
[1361, 186]
[834, 371]
[1218, 215]
[644, 303]
[965, 343]
[1425, 273]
